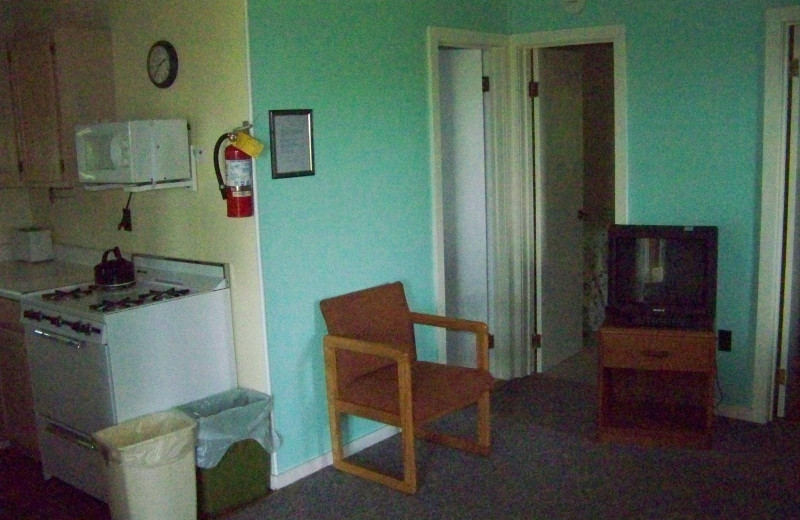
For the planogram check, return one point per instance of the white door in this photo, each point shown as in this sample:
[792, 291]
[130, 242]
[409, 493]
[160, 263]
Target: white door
[558, 150]
[464, 195]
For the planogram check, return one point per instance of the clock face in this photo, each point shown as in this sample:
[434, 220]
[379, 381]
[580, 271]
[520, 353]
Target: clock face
[162, 64]
[573, 6]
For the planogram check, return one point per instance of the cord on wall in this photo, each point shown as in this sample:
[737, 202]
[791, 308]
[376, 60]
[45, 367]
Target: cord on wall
[126, 223]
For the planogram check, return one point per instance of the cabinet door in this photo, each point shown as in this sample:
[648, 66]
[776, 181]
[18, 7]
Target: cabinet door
[15, 380]
[9, 176]
[33, 86]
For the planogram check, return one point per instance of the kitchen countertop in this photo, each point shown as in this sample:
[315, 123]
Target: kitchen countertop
[18, 278]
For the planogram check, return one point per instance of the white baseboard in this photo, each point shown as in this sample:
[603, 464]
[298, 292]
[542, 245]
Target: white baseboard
[314, 465]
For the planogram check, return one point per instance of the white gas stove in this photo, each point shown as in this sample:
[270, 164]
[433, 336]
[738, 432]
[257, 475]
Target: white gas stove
[80, 310]
[99, 356]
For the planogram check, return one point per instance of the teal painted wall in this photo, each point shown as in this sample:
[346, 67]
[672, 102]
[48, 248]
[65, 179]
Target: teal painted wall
[695, 96]
[365, 217]
[695, 106]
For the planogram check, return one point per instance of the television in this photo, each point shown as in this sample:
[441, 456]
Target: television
[662, 276]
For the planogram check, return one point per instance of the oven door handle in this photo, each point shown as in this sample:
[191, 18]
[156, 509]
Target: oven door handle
[71, 437]
[77, 345]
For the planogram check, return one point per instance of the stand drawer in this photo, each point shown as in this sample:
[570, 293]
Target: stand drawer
[675, 352]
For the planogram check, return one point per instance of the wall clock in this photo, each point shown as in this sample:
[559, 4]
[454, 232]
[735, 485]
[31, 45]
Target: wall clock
[162, 64]
[573, 6]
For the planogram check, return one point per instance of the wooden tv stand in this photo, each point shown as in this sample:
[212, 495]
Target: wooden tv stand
[656, 386]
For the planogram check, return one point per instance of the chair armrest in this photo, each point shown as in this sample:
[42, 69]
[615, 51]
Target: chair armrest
[365, 347]
[480, 329]
[445, 322]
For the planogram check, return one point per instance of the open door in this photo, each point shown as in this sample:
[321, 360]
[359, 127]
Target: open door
[464, 201]
[558, 158]
[788, 402]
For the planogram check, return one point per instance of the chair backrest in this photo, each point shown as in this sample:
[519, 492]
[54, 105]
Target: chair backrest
[379, 314]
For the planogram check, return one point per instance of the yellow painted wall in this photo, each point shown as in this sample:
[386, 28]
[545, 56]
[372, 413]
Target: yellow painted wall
[14, 213]
[212, 93]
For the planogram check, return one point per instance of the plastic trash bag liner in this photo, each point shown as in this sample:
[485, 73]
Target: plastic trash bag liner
[229, 417]
[148, 441]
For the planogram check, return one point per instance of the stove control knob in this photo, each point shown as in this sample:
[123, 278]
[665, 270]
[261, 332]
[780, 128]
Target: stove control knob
[84, 328]
[32, 315]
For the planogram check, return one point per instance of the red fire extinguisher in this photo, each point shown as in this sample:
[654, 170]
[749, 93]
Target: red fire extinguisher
[236, 186]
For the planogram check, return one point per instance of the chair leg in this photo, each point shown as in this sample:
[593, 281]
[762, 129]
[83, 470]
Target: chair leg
[481, 447]
[484, 426]
[336, 434]
[408, 484]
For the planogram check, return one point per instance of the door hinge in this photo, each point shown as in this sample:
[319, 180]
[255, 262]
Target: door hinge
[485, 83]
[536, 342]
[533, 89]
[794, 68]
[780, 376]
[491, 341]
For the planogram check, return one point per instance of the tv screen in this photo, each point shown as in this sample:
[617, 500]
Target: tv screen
[662, 276]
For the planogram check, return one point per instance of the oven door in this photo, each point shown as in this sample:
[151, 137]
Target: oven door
[70, 379]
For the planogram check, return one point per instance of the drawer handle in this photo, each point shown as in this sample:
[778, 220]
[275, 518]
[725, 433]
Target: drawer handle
[657, 354]
[70, 437]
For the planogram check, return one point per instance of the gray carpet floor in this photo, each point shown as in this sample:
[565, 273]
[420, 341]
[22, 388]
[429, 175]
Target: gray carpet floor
[545, 464]
[579, 368]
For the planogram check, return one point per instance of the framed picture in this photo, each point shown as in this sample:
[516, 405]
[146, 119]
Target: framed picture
[291, 142]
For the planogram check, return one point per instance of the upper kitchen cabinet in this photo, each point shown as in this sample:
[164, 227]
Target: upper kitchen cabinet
[9, 175]
[57, 80]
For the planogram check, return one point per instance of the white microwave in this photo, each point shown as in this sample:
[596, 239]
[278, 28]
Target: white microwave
[130, 153]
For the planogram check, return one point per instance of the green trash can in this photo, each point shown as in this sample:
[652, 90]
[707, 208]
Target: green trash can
[234, 442]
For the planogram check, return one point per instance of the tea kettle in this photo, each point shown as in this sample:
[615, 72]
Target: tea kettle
[116, 272]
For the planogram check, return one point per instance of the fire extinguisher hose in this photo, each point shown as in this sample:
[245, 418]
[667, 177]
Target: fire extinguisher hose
[220, 180]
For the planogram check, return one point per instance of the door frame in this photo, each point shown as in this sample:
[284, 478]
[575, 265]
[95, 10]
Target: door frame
[525, 242]
[495, 61]
[773, 197]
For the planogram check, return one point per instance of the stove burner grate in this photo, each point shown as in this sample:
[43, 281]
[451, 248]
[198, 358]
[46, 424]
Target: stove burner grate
[172, 292]
[141, 299]
[61, 295]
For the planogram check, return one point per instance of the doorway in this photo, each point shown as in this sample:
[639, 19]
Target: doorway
[468, 78]
[513, 312]
[574, 181]
[776, 317]
[787, 402]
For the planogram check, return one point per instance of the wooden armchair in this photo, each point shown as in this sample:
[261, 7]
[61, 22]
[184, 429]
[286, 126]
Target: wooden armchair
[372, 371]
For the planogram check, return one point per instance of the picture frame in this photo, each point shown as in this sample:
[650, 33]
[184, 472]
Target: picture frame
[291, 142]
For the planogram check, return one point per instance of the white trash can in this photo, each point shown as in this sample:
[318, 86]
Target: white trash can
[150, 467]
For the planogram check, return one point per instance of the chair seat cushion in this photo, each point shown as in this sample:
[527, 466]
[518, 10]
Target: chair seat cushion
[436, 389]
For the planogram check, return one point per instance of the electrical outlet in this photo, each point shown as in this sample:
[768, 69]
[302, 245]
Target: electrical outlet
[724, 340]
